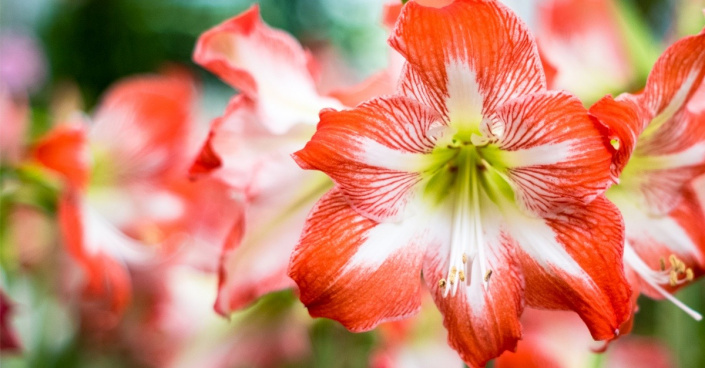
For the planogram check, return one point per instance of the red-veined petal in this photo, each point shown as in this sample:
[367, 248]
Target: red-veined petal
[267, 65]
[574, 261]
[453, 61]
[482, 318]
[375, 153]
[655, 238]
[554, 153]
[675, 77]
[623, 126]
[355, 270]
[256, 255]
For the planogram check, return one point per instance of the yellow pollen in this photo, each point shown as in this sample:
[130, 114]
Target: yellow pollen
[680, 268]
[662, 263]
[461, 275]
[689, 274]
[465, 258]
[673, 278]
[673, 260]
[488, 274]
[442, 283]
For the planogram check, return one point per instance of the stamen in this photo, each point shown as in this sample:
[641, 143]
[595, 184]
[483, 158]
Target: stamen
[488, 274]
[673, 278]
[657, 278]
[465, 258]
[461, 275]
[442, 283]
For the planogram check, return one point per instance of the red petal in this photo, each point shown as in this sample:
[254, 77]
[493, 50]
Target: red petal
[64, 149]
[375, 153]
[106, 280]
[255, 257]
[554, 152]
[481, 323]
[620, 119]
[434, 40]
[592, 235]
[654, 239]
[355, 270]
[390, 13]
[582, 40]
[670, 150]
[267, 65]
[207, 160]
[144, 123]
[675, 77]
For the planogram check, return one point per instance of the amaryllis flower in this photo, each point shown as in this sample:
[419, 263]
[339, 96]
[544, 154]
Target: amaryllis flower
[659, 140]
[127, 198]
[475, 176]
[249, 148]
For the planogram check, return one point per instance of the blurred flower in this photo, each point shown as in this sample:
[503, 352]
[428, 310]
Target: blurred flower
[582, 40]
[658, 137]
[13, 125]
[417, 342]
[22, 64]
[249, 148]
[127, 199]
[560, 340]
[476, 176]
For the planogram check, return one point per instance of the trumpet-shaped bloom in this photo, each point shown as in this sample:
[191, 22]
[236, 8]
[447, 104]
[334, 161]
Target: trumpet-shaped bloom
[249, 148]
[475, 176]
[659, 140]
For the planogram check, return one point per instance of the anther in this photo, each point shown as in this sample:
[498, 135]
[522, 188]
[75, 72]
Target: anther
[488, 274]
[673, 260]
[461, 275]
[673, 278]
[442, 283]
[662, 263]
[689, 274]
[465, 258]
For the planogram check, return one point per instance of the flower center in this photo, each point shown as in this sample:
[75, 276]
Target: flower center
[466, 177]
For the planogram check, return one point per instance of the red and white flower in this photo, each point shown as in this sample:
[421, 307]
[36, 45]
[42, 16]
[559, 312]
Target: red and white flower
[658, 137]
[475, 176]
[249, 147]
[127, 197]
